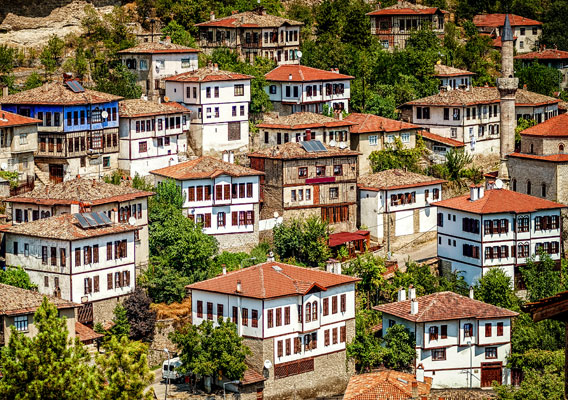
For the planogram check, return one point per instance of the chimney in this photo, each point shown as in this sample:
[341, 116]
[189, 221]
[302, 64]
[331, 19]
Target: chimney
[270, 257]
[420, 373]
[239, 287]
[215, 67]
[5, 91]
[74, 208]
[225, 156]
[413, 307]
[290, 77]
[525, 86]
[401, 294]
[212, 16]
[168, 40]
[473, 192]
[224, 269]
[471, 292]
[481, 191]
[411, 292]
[231, 157]
[234, 12]
[414, 389]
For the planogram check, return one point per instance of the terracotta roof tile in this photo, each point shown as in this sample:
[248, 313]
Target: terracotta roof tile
[301, 73]
[250, 19]
[446, 70]
[208, 74]
[294, 150]
[498, 20]
[369, 123]
[550, 158]
[271, 280]
[546, 54]
[407, 8]
[441, 139]
[58, 93]
[251, 376]
[499, 201]
[158, 48]
[142, 108]
[80, 190]
[14, 300]
[554, 127]
[10, 119]
[302, 120]
[65, 227]
[443, 306]
[179, 106]
[204, 167]
[395, 179]
[388, 384]
[85, 333]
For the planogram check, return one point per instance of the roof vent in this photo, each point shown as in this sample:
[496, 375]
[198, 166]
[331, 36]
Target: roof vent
[276, 268]
[239, 287]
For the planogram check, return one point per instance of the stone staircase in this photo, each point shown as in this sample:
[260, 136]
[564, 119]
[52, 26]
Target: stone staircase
[42, 177]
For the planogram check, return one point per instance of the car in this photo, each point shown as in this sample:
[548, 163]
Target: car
[171, 370]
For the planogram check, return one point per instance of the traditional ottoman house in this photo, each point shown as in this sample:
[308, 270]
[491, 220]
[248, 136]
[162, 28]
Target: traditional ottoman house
[396, 205]
[393, 25]
[552, 58]
[452, 78]
[122, 204]
[303, 126]
[81, 257]
[373, 133]
[18, 142]
[296, 321]
[221, 196]
[526, 31]
[496, 228]
[151, 62]
[17, 309]
[78, 134]
[152, 135]
[309, 178]
[460, 342]
[253, 34]
[439, 145]
[296, 88]
[219, 104]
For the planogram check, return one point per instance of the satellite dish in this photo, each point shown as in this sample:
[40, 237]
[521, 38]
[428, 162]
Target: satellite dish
[166, 99]
[4, 166]
[276, 215]
[342, 145]
[332, 143]
[104, 114]
[299, 53]
[267, 364]
[498, 184]
[132, 221]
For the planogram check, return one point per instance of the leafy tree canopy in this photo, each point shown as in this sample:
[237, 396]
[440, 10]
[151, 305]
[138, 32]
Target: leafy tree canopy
[16, 276]
[303, 241]
[539, 78]
[141, 317]
[396, 155]
[495, 287]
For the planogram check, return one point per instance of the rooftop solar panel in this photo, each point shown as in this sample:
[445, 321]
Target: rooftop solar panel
[88, 217]
[318, 146]
[105, 218]
[82, 221]
[97, 219]
[307, 145]
[75, 86]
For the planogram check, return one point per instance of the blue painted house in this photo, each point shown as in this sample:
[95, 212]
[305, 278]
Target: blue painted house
[78, 133]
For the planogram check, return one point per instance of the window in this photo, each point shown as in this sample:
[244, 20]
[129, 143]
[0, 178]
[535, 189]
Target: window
[245, 317]
[343, 302]
[21, 323]
[529, 186]
[456, 114]
[405, 137]
[488, 329]
[325, 306]
[468, 330]
[314, 311]
[334, 305]
[242, 111]
[543, 190]
[280, 348]
[320, 171]
[270, 318]
[287, 315]
[279, 316]
[221, 219]
[454, 132]
[446, 114]
[342, 334]
[333, 193]
[334, 335]
[43, 255]
[308, 314]
[235, 318]
[239, 90]
[373, 140]
[390, 138]
[433, 333]
[490, 352]
[438, 354]
[499, 329]
[142, 147]
[443, 332]
[326, 340]
[337, 170]
[302, 172]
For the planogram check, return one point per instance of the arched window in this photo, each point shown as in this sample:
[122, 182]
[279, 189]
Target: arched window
[529, 187]
[514, 185]
[543, 190]
[308, 312]
[561, 148]
[314, 311]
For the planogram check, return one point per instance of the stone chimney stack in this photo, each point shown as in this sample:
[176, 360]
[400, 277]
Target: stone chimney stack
[507, 86]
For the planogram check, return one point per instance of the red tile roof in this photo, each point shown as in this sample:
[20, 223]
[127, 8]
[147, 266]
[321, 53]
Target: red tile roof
[392, 179]
[294, 150]
[370, 123]
[158, 48]
[250, 19]
[549, 158]
[407, 8]
[546, 54]
[302, 120]
[208, 74]
[443, 306]
[554, 127]
[498, 20]
[14, 301]
[441, 70]
[301, 73]
[440, 139]
[58, 93]
[85, 333]
[177, 105]
[271, 280]
[339, 238]
[204, 167]
[391, 385]
[251, 376]
[499, 201]
[10, 119]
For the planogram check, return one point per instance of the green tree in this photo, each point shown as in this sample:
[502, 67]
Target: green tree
[208, 350]
[554, 25]
[118, 81]
[400, 344]
[536, 385]
[522, 124]
[51, 54]
[78, 64]
[366, 347]
[33, 81]
[124, 369]
[16, 276]
[178, 34]
[495, 287]
[543, 335]
[370, 269]
[121, 325]
[541, 277]
[141, 317]
[164, 284]
[539, 78]
[47, 366]
[456, 161]
[7, 59]
[395, 155]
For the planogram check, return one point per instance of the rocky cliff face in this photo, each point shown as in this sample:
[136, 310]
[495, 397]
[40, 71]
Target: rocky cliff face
[43, 8]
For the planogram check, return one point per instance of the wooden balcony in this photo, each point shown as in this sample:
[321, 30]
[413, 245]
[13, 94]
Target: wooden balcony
[77, 144]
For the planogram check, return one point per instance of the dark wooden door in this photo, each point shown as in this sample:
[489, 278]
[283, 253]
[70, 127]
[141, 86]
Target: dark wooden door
[56, 173]
[491, 372]
[316, 194]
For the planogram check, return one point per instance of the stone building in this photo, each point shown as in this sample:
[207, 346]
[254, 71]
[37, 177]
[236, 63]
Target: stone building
[253, 34]
[78, 133]
[151, 62]
[18, 142]
[297, 88]
[296, 321]
[526, 32]
[393, 25]
[552, 58]
[309, 178]
[373, 133]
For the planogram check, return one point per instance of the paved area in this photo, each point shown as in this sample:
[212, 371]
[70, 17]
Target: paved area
[421, 252]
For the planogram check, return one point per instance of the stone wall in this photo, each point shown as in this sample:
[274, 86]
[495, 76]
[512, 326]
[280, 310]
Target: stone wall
[537, 172]
[103, 310]
[238, 242]
[156, 356]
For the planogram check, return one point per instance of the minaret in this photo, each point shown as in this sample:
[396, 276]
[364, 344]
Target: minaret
[507, 86]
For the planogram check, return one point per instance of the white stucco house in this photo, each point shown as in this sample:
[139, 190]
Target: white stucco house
[296, 88]
[152, 135]
[496, 228]
[460, 342]
[396, 204]
[297, 321]
[222, 196]
[219, 104]
[452, 78]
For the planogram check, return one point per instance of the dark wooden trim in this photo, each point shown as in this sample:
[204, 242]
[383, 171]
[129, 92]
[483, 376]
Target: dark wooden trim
[319, 206]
